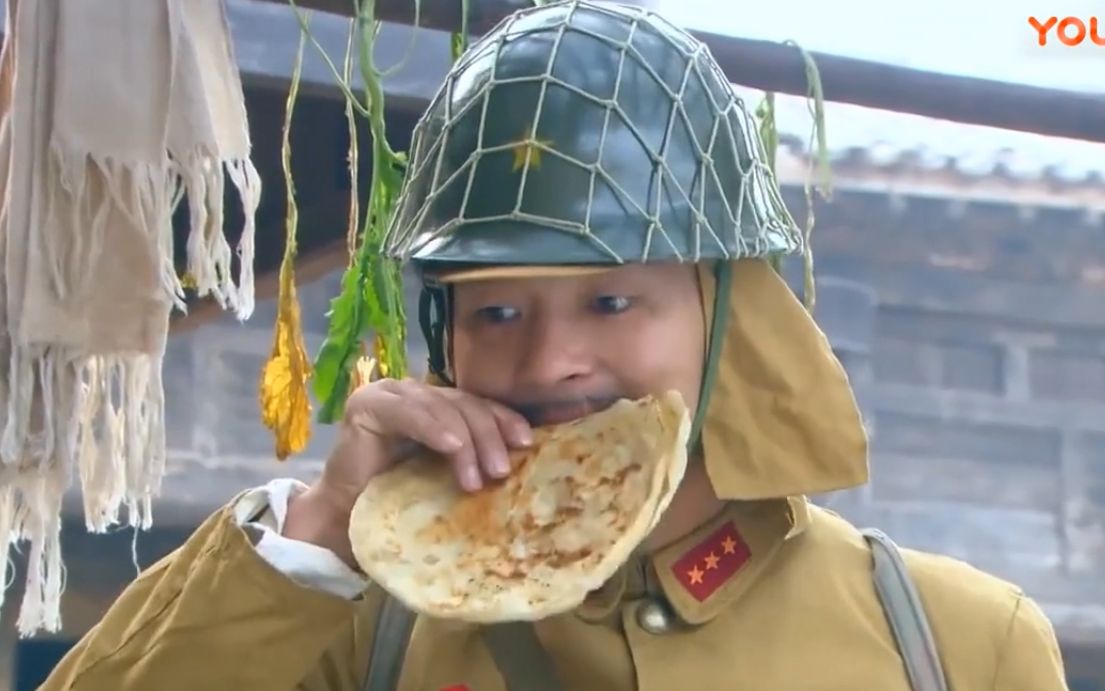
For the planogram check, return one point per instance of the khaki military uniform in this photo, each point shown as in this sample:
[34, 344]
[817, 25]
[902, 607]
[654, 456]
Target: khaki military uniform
[773, 594]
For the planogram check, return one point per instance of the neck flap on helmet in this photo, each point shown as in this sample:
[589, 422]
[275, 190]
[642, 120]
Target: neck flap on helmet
[780, 418]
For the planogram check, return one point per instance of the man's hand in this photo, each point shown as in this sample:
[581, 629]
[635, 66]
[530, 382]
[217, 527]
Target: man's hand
[387, 421]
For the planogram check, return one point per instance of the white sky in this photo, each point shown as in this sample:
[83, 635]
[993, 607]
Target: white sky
[980, 38]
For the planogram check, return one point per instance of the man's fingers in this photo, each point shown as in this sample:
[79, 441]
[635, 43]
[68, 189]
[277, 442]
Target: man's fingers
[447, 415]
[486, 436]
[472, 432]
[515, 428]
[399, 419]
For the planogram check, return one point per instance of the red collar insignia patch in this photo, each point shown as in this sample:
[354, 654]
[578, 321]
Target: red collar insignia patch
[710, 563]
[456, 687]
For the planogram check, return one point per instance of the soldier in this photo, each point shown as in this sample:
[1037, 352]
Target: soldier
[590, 211]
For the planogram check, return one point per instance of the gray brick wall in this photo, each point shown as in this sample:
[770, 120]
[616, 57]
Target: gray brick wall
[1063, 374]
[929, 459]
[921, 361]
[983, 387]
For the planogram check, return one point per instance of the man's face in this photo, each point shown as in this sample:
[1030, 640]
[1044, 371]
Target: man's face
[558, 348]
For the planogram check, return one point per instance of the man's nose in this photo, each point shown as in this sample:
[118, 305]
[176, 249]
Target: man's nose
[556, 350]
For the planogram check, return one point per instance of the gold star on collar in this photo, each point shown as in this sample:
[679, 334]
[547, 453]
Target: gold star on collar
[527, 150]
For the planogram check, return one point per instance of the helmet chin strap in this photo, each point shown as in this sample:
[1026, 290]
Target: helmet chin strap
[433, 318]
[723, 273]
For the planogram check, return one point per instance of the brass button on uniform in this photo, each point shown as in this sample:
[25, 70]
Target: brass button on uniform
[654, 617]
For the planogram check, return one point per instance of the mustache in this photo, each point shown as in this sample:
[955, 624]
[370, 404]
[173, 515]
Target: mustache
[538, 413]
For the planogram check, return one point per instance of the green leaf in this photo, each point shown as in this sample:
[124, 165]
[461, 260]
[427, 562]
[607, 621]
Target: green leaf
[457, 45]
[347, 321]
[343, 316]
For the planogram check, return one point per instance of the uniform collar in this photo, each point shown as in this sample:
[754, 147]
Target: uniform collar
[630, 582]
[714, 565]
[710, 567]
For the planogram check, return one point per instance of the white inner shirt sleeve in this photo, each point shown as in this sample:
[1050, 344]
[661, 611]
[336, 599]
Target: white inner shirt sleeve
[265, 508]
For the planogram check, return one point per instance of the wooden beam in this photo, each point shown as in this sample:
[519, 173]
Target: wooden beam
[442, 15]
[776, 67]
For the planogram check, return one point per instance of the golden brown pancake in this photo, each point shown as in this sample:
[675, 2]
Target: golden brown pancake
[577, 503]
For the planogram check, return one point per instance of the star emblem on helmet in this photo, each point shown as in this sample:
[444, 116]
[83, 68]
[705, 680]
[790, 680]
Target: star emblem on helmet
[527, 150]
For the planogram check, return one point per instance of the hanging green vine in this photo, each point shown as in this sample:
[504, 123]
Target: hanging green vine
[352, 236]
[819, 158]
[371, 297]
[460, 38]
[769, 135]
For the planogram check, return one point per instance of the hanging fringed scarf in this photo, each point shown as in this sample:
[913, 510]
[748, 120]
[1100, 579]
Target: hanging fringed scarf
[111, 113]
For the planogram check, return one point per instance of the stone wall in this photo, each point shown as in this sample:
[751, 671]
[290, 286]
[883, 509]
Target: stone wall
[975, 338]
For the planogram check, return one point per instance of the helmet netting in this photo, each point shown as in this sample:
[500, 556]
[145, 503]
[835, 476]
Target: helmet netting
[756, 225]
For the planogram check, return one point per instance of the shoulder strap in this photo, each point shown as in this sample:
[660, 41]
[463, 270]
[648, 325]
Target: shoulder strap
[389, 646]
[906, 614]
[515, 648]
[523, 662]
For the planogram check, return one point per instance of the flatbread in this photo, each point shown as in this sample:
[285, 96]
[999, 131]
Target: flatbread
[535, 544]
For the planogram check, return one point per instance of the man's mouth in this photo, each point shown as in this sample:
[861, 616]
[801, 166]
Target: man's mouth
[557, 412]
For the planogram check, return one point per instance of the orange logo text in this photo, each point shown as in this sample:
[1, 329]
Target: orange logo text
[1070, 31]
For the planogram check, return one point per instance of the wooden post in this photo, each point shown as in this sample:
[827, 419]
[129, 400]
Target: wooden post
[776, 67]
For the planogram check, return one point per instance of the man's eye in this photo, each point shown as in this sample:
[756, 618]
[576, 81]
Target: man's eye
[612, 304]
[497, 314]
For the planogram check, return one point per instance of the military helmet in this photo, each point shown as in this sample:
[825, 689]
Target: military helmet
[580, 133]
